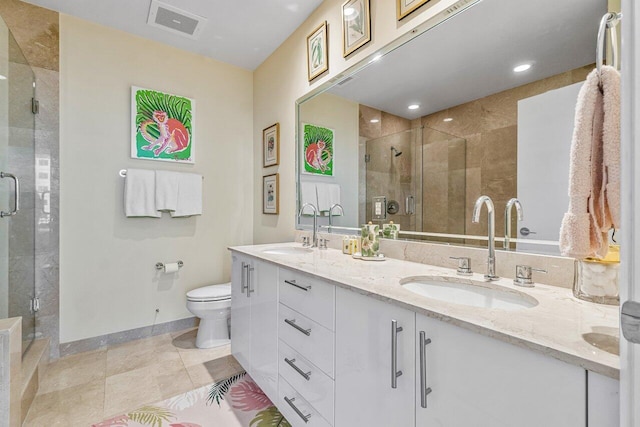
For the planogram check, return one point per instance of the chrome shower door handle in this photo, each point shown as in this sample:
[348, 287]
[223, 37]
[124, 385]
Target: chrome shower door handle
[410, 205]
[16, 195]
[394, 353]
[424, 390]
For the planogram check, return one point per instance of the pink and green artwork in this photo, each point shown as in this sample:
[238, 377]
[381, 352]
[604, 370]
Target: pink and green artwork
[162, 126]
[318, 150]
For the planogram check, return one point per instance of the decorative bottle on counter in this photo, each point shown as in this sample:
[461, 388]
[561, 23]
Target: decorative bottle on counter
[370, 244]
[596, 280]
[390, 230]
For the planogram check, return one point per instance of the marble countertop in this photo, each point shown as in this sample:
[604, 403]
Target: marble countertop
[554, 327]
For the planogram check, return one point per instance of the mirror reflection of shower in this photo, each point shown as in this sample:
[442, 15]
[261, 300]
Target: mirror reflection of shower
[396, 152]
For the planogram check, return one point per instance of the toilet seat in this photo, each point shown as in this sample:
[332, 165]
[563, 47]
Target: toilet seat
[210, 293]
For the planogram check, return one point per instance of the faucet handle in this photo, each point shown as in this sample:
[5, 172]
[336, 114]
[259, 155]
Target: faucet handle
[322, 243]
[305, 241]
[464, 266]
[523, 275]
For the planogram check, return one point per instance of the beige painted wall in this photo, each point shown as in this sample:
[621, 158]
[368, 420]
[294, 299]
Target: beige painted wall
[108, 280]
[282, 79]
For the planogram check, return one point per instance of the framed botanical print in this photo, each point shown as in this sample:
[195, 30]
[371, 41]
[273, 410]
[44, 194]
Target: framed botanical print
[318, 150]
[356, 25]
[270, 194]
[406, 7]
[271, 145]
[317, 52]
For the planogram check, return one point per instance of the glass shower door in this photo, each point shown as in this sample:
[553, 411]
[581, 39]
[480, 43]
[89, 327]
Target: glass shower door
[17, 186]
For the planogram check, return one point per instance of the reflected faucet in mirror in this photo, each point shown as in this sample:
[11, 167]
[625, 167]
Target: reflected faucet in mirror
[491, 259]
[315, 222]
[507, 219]
[335, 205]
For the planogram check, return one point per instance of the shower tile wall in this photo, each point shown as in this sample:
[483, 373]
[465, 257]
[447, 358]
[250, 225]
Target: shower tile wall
[489, 126]
[386, 174]
[37, 32]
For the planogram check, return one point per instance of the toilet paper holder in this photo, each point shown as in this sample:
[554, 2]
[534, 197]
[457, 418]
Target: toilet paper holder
[160, 265]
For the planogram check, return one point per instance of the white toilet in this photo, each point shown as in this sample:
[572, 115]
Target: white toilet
[212, 304]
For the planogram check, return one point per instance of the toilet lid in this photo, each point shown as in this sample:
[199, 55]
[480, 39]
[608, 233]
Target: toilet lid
[210, 293]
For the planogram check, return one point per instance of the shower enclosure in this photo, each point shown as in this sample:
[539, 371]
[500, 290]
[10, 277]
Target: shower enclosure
[17, 186]
[422, 174]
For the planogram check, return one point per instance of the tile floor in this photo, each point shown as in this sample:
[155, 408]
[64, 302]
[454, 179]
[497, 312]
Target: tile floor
[84, 388]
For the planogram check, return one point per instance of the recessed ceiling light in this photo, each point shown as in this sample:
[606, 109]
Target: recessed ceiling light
[374, 121]
[520, 68]
[349, 11]
[448, 119]
[376, 58]
[413, 106]
[3, 77]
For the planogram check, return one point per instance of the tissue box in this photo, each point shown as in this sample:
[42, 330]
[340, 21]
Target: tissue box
[390, 231]
[370, 244]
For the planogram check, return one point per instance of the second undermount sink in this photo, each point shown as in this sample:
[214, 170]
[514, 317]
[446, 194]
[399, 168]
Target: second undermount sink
[467, 292]
[287, 250]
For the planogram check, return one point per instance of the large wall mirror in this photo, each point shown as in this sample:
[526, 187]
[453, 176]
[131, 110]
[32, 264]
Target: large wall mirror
[479, 103]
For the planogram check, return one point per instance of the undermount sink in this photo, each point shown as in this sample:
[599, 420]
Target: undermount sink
[287, 250]
[466, 292]
[604, 338]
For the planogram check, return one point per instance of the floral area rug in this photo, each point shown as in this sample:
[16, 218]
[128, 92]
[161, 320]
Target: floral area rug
[234, 402]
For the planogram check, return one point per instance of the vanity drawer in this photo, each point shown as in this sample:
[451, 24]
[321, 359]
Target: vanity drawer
[296, 409]
[310, 339]
[313, 384]
[309, 296]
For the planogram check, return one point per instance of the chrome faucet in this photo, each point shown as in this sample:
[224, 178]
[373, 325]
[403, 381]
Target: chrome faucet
[507, 219]
[491, 259]
[315, 222]
[335, 205]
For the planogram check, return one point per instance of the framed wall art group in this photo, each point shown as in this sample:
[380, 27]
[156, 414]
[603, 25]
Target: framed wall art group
[271, 157]
[356, 32]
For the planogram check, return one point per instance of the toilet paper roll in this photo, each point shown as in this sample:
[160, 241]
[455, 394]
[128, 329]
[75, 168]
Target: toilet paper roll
[171, 267]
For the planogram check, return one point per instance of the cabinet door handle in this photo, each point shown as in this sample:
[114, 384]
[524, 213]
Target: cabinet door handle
[293, 283]
[243, 277]
[292, 322]
[16, 194]
[394, 353]
[305, 375]
[424, 390]
[249, 290]
[304, 417]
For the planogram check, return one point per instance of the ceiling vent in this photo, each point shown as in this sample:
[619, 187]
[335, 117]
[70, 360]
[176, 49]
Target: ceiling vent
[178, 21]
[345, 81]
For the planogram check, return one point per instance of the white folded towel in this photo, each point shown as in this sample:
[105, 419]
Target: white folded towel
[308, 193]
[140, 193]
[328, 195]
[167, 184]
[189, 195]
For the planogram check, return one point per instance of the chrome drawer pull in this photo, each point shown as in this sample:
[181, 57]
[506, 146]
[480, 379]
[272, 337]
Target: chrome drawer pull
[424, 390]
[292, 322]
[305, 375]
[304, 417]
[293, 283]
[394, 353]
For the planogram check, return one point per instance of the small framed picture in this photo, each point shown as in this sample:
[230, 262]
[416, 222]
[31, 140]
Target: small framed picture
[271, 145]
[317, 52]
[271, 194]
[406, 7]
[356, 25]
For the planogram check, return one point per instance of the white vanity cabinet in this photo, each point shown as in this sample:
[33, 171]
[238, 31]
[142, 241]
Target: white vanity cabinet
[477, 380]
[603, 401]
[365, 393]
[254, 317]
[306, 349]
